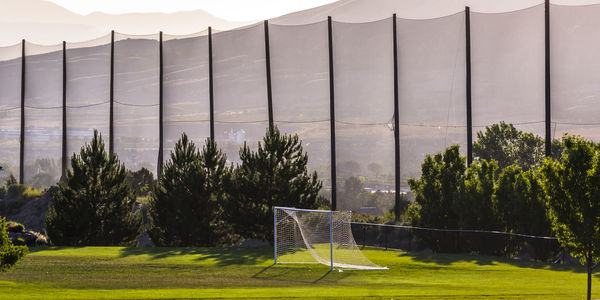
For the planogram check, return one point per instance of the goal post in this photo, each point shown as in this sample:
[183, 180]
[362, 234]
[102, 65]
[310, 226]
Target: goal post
[305, 236]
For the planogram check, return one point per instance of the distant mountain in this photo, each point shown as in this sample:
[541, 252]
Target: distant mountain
[44, 22]
[370, 10]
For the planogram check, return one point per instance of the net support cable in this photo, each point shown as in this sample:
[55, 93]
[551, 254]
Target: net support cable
[458, 230]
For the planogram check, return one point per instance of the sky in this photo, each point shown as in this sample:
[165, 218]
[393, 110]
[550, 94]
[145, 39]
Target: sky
[232, 10]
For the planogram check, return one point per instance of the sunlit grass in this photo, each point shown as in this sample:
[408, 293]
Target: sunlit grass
[116, 272]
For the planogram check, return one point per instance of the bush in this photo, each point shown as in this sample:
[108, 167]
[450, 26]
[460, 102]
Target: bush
[94, 204]
[12, 226]
[21, 193]
[9, 254]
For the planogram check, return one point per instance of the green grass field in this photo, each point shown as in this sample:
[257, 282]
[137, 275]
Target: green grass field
[115, 272]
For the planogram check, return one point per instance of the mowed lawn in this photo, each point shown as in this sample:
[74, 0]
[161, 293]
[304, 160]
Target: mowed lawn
[116, 272]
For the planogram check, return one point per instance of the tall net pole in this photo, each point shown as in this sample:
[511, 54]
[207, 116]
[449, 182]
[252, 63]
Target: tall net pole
[331, 239]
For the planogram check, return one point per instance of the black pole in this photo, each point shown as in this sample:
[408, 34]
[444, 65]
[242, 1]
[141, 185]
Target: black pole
[332, 116]
[396, 122]
[22, 140]
[111, 132]
[210, 85]
[547, 50]
[468, 91]
[268, 65]
[64, 112]
[364, 235]
[159, 166]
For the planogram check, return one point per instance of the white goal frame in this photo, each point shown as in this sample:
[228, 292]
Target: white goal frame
[332, 242]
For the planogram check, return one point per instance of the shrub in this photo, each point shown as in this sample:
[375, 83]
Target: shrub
[11, 180]
[9, 254]
[94, 204]
[12, 226]
[21, 193]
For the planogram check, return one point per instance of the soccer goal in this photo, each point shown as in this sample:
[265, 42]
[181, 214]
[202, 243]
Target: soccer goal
[304, 236]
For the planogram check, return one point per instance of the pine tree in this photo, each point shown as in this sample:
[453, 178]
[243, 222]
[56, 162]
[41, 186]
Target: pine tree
[274, 175]
[9, 253]
[94, 204]
[186, 207]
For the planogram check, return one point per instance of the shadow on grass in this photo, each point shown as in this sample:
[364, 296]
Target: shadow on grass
[222, 256]
[298, 274]
[448, 259]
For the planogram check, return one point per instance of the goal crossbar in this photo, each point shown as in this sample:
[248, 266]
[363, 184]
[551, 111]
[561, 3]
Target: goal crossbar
[317, 236]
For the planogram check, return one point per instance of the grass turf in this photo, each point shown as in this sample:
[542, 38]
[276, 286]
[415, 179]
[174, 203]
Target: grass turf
[116, 272]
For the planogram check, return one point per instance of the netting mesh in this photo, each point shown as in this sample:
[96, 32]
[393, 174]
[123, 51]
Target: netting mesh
[240, 88]
[88, 92]
[311, 236]
[186, 105]
[431, 83]
[300, 77]
[10, 110]
[363, 65]
[43, 115]
[507, 74]
[508, 69]
[136, 100]
[575, 67]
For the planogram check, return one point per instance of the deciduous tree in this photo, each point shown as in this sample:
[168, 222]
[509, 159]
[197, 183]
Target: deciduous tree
[572, 189]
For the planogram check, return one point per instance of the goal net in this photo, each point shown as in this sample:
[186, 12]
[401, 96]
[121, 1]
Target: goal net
[304, 236]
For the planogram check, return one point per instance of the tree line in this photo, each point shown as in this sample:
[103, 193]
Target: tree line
[512, 187]
[199, 199]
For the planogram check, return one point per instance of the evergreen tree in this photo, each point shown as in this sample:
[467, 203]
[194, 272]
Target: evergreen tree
[274, 175]
[186, 207]
[94, 204]
[9, 253]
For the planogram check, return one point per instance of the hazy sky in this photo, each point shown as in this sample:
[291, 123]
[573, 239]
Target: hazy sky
[233, 10]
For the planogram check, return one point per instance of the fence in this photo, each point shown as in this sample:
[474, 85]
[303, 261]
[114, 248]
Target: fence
[409, 238]
[367, 99]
